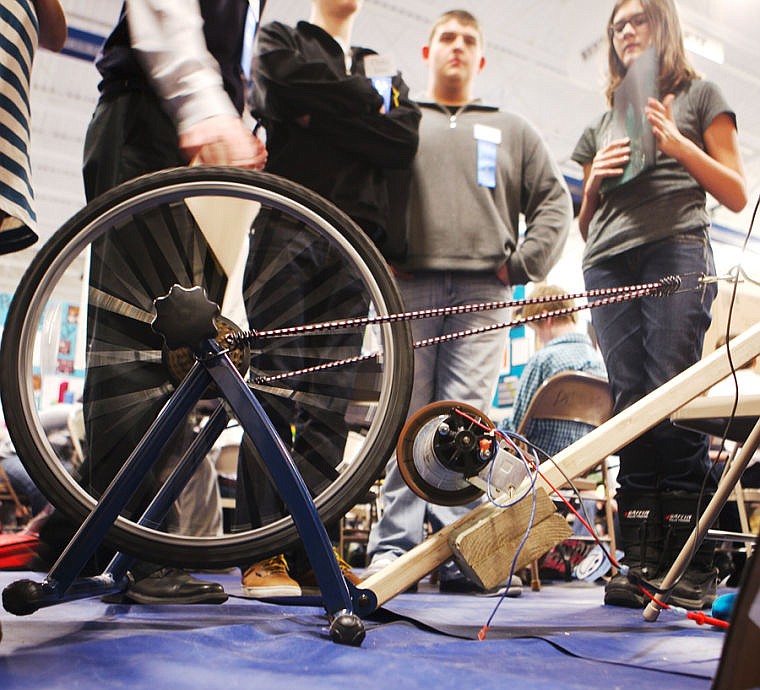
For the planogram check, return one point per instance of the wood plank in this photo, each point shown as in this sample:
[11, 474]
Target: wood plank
[485, 549]
[611, 436]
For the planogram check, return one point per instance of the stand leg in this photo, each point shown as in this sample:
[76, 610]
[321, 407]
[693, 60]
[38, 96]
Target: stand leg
[609, 515]
[24, 596]
[335, 594]
[174, 484]
[725, 487]
[339, 598]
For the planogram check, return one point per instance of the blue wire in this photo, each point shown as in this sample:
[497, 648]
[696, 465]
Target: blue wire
[532, 491]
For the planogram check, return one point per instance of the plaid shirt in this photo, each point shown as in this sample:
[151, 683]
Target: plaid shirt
[569, 352]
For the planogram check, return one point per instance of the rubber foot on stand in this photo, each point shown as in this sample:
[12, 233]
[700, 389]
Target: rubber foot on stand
[348, 629]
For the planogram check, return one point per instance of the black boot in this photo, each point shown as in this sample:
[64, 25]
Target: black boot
[641, 531]
[697, 588]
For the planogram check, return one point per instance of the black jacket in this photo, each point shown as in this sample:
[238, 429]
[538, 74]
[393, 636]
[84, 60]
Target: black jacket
[223, 24]
[324, 127]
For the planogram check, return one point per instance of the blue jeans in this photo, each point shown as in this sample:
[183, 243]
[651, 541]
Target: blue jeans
[22, 483]
[463, 370]
[646, 342]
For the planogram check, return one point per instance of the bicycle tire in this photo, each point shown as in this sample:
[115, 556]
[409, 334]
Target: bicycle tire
[160, 202]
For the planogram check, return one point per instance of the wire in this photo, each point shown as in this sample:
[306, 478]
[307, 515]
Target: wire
[528, 465]
[517, 451]
[585, 522]
[585, 519]
[509, 440]
[530, 490]
[699, 617]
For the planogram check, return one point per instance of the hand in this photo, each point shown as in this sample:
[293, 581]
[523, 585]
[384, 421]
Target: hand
[223, 140]
[502, 273]
[660, 116]
[608, 162]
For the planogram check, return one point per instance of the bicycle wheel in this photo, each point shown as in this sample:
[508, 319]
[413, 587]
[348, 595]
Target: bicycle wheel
[83, 312]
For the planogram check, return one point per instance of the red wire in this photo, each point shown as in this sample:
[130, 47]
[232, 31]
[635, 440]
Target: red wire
[699, 617]
[590, 529]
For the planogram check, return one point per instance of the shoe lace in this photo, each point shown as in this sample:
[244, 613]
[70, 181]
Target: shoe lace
[273, 564]
[342, 564]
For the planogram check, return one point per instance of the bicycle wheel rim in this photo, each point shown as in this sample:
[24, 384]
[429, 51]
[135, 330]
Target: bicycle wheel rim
[34, 296]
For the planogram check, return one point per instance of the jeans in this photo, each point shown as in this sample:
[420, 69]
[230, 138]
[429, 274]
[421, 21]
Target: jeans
[22, 483]
[463, 370]
[646, 342]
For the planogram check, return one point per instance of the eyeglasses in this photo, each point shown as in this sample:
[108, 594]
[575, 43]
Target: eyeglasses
[636, 22]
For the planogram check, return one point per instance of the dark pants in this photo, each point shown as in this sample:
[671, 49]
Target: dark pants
[292, 278]
[646, 342]
[125, 384]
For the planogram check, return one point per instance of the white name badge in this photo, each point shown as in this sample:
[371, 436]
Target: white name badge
[379, 66]
[486, 133]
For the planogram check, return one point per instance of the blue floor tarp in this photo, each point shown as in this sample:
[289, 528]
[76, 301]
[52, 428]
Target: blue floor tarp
[561, 637]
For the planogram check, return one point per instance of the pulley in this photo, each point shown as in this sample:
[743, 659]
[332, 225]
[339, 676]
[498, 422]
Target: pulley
[185, 317]
[449, 454]
[439, 448]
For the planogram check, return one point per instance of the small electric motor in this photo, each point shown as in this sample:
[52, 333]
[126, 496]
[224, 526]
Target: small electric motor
[440, 446]
[448, 453]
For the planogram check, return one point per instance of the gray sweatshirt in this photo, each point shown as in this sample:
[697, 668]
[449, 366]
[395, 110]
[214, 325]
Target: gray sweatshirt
[455, 223]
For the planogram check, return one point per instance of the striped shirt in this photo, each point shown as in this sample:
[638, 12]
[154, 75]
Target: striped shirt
[18, 43]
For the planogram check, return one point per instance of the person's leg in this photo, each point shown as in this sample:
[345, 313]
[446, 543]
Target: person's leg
[127, 137]
[665, 461]
[619, 331]
[23, 484]
[467, 368]
[402, 522]
[674, 328]
[198, 509]
[293, 278]
[273, 249]
[321, 430]
[463, 370]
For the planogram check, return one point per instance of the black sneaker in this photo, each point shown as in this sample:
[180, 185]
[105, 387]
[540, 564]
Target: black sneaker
[696, 590]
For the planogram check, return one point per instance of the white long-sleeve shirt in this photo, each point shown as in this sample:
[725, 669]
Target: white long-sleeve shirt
[167, 36]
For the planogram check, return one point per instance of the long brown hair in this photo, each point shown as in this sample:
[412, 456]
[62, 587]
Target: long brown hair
[675, 70]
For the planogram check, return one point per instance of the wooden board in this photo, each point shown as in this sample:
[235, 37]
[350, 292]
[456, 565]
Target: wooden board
[484, 550]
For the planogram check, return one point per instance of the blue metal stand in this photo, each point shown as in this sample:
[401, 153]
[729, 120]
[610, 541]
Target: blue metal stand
[341, 600]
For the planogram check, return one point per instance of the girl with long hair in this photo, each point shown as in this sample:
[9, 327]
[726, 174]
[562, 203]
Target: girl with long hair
[652, 226]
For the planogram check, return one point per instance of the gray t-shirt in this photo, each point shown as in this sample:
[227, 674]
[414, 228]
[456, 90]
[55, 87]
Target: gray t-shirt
[662, 201]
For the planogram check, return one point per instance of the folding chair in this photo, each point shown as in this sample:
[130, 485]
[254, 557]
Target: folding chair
[572, 396]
